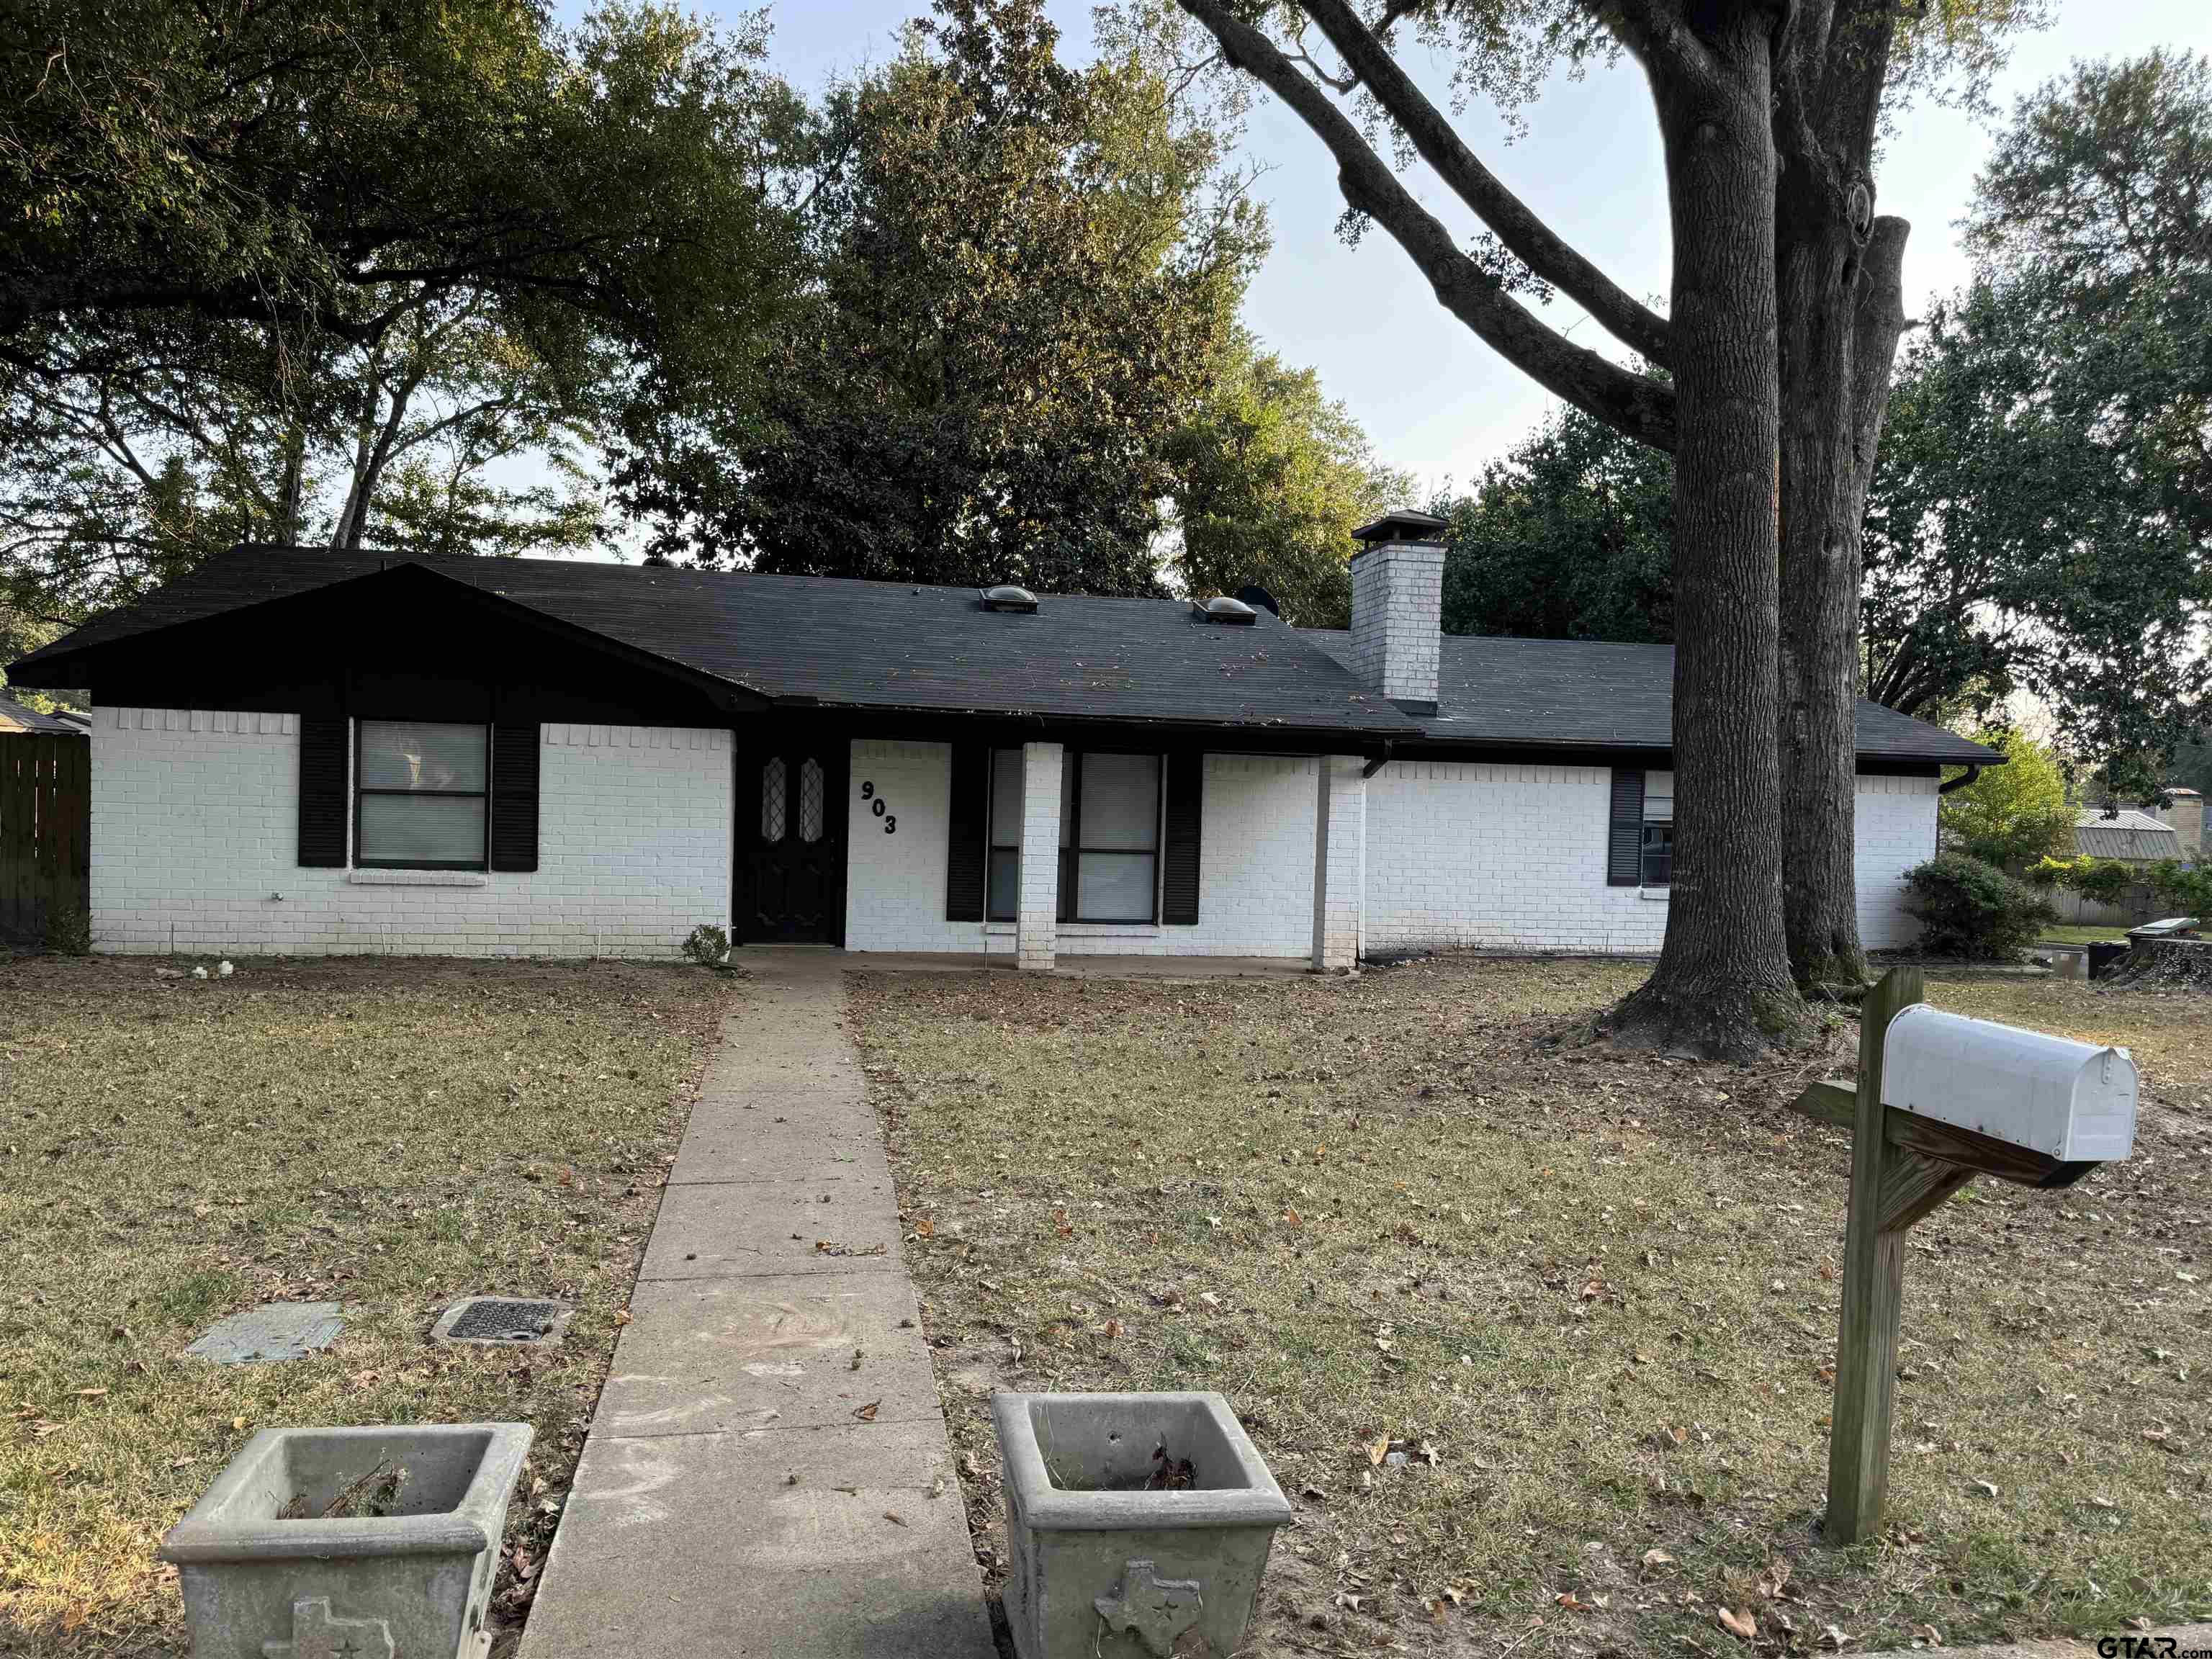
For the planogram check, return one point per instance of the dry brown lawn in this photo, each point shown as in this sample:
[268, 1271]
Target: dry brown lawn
[1593, 1298]
[390, 1135]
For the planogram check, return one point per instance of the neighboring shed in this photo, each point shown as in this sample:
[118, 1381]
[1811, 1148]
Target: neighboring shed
[2127, 835]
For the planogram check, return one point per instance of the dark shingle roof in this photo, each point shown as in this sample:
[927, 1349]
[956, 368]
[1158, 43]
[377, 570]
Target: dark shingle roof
[1552, 694]
[15, 717]
[811, 640]
[817, 641]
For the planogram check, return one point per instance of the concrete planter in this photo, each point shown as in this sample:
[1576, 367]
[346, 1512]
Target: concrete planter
[1100, 1566]
[410, 1584]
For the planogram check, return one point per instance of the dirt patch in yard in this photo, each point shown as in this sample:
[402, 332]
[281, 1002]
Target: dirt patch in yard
[388, 1135]
[1540, 1339]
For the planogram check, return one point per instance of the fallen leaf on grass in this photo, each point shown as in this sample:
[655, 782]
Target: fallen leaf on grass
[1741, 1625]
[1655, 1560]
[1987, 1488]
[622, 1317]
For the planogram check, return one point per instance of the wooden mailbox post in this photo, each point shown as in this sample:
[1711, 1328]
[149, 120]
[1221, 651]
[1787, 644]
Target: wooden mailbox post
[1903, 1165]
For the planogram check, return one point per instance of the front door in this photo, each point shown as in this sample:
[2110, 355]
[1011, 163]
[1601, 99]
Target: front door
[791, 843]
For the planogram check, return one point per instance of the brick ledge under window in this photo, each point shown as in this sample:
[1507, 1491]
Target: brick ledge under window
[1084, 929]
[418, 878]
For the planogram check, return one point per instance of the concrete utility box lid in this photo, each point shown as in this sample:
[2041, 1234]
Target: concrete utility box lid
[2074, 1101]
[274, 1331]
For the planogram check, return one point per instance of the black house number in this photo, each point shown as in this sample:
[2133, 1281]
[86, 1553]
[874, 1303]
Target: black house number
[876, 805]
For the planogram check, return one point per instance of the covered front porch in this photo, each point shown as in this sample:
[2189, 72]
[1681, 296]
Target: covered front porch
[1004, 848]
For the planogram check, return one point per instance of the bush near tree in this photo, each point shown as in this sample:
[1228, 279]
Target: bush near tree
[1972, 909]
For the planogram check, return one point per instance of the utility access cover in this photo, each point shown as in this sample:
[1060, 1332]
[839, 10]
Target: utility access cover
[503, 1320]
[271, 1332]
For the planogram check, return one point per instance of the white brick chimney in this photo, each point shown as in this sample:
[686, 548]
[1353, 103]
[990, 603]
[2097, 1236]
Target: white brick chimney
[1397, 607]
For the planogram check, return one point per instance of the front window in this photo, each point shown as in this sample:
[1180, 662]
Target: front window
[421, 795]
[1658, 842]
[1110, 836]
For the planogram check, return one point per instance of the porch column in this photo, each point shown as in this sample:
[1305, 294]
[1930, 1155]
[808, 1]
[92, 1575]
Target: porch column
[1035, 932]
[1339, 861]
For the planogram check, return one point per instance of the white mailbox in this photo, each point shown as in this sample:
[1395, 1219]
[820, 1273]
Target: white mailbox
[2073, 1101]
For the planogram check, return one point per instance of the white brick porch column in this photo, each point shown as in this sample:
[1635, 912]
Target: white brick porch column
[1035, 932]
[1339, 860]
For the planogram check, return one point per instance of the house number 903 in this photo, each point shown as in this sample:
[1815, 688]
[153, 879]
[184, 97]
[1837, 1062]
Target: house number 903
[876, 805]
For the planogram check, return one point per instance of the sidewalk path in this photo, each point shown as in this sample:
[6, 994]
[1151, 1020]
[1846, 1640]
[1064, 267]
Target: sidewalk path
[739, 1483]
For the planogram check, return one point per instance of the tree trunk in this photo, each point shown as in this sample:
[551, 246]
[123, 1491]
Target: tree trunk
[1839, 274]
[1817, 255]
[1722, 986]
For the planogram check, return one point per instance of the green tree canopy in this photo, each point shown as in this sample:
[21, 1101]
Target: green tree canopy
[309, 272]
[1271, 478]
[1019, 275]
[2014, 814]
[1568, 537]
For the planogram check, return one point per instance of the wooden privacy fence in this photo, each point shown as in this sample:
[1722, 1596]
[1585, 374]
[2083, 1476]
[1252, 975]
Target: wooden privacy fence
[46, 831]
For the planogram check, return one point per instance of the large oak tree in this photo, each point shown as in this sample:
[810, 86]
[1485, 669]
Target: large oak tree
[1784, 317]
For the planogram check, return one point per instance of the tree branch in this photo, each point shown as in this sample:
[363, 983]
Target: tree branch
[1634, 405]
[1626, 319]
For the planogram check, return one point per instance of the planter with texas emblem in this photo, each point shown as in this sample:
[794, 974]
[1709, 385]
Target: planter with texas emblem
[378, 1543]
[1138, 1525]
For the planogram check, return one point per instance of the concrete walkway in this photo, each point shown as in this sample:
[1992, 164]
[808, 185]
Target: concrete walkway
[768, 1472]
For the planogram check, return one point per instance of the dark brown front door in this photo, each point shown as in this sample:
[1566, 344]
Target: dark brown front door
[791, 845]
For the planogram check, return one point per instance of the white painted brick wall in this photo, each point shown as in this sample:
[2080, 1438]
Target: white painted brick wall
[1039, 898]
[1896, 830]
[1339, 860]
[1397, 609]
[1512, 857]
[1255, 867]
[194, 829]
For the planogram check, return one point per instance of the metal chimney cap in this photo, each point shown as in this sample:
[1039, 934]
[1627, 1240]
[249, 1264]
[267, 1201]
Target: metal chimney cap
[1403, 526]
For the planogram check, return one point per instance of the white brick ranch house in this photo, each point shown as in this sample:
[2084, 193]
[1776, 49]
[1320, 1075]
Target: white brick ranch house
[299, 751]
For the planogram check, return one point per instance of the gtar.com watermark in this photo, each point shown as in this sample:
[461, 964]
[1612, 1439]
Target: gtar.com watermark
[2146, 1647]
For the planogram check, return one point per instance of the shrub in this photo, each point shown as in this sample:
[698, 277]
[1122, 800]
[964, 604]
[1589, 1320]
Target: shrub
[69, 932]
[2105, 880]
[708, 946]
[2186, 888]
[1972, 909]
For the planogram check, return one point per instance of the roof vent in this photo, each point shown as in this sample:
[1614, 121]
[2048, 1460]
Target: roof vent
[1223, 609]
[1007, 596]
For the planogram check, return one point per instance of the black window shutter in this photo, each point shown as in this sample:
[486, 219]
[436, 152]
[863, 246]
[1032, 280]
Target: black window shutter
[514, 760]
[1624, 842]
[1185, 810]
[964, 852]
[322, 792]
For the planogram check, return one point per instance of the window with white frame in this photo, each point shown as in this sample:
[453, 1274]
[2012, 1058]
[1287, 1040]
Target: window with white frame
[1657, 853]
[1110, 836]
[421, 795]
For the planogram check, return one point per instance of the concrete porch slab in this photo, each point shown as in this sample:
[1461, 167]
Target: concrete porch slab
[1080, 967]
[752, 1228]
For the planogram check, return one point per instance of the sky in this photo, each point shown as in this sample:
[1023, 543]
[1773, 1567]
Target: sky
[1436, 401]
